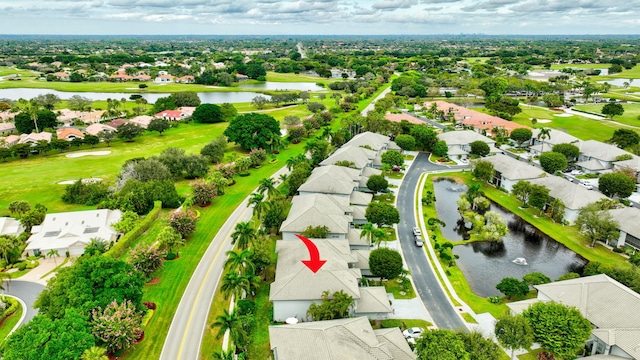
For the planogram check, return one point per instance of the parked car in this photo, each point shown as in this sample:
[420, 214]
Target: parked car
[416, 231]
[464, 161]
[396, 168]
[418, 240]
[586, 184]
[412, 333]
[577, 172]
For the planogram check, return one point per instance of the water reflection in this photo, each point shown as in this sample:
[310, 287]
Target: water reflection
[484, 264]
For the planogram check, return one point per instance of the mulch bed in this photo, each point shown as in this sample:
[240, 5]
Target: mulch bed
[153, 281]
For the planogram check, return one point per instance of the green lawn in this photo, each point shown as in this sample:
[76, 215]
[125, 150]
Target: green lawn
[289, 77]
[579, 66]
[630, 116]
[578, 126]
[5, 70]
[633, 73]
[395, 287]
[9, 322]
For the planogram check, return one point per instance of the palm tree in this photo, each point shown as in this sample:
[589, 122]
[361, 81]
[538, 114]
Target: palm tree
[95, 247]
[259, 205]
[53, 253]
[223, 355]
[282, 177]
[231, 322]
[234, 283]
[240, 262]
[268, 185]
[545, 133]
[367, 230]
[7, 245]
[244, 234]
[94, 353]
[378, 235]
[33, 109]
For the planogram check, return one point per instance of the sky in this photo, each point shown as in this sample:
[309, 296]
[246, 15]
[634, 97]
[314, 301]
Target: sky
[319, 17]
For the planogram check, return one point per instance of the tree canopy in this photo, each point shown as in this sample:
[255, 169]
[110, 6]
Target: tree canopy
[553, 161]
[208, 114]
[612, 109]
[520, 135]
[480, 148]
[625, 138]
[382, 214]
[385, 263]
[616, 184]
[46, 119]
[253, 131]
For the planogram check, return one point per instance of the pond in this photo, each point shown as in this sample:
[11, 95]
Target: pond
[484, 264]
[284, 86]
[205, 97]
[620, 82]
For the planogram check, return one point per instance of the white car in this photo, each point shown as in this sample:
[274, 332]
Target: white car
[418, 241]
[416, 231]
[577, 172]
[586, 184]
[412, 333]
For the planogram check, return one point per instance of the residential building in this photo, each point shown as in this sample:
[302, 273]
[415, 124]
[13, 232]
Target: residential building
[33, 138]
[540, 144]
[596, 156]
[343, 339]
[481, 122]
[629, 227]
[574, 196]
[69, 133]
[403, 117]
[633, 164]
[359, 156]
[10, 226]
[509, 171]
[7, 128]
[612, 308]
[143, 120]
[10, 140]
[164, 79]
[72, 231]
[95, 129]
[241, 77]
[372, 141]
[459, 143]
[187, 79]
[170, 115]
[315, 209]
[116, 123]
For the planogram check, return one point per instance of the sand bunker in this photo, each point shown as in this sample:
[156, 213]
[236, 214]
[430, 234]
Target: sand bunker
[85, 181]
[89, 153]
[543, 121]
[563, 115]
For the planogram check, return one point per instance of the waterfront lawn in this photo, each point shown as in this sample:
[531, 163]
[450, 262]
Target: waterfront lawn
[630, 116]
[579, 66]
[289, 77]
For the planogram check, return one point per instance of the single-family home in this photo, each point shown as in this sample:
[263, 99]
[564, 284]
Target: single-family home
[633, 164]
[241, 77]
[117, 123]
[95, 129]
[92, 117]
[316, 209]
[341, 339]
[509, 171]
[359, 156]
[612, 308]
[403, 117]
[7, 116]
[72, 231]
[573, 195]
[120, 77]
[10, 140]
[164, 79]
[296, 287]
[10, 226]
[187, 79]
[170, 115]
[596, 156]
[543, 143]
[481, 122]
[141, 77]
[7, 128]
[69, 133]
[187, 111]
[628, 219]
[143, 120]
[33, 138]
[459, 143]
[67, 116]
[62, 76]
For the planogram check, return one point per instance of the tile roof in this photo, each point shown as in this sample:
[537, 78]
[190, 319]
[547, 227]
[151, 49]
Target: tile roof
[514, 169]
[69, 133]
[318, 210]
[464, 137]
[406, 117]
[574, 196]
[476, 119]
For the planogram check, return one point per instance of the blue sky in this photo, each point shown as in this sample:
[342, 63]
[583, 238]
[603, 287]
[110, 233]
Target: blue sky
[228, 17]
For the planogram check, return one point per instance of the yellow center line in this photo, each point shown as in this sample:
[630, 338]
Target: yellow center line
[184, 336]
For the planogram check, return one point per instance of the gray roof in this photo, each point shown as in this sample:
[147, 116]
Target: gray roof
[628, 219]
[612, 307]
[294, 280]
[574, 196]
[556, 137]
[634, 163]
[331, 180]
[360, 198]
[354, 238]
[593, 165]
[343, 339]
[359, 212]
[600, 150]
[373, 299]
[513, 169]
[318, 210]
[361, 157]
[463, 137]
[456, 150]
[368, 171]
[362, 257]
[368, 138]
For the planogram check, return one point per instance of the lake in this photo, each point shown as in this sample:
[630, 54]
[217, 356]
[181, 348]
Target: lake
[205, 97]
[620, 82]
[484, 264]
[284, 86]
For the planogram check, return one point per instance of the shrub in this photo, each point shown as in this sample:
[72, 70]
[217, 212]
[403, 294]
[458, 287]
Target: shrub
[22, 266]
[150, 305]
[257, 156]
[125, 242]
[183, 222]
[495, 299]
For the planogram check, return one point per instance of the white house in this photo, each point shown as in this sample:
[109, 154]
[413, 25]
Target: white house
[359, 156]
[612, 308]
[7, 128]
[509, 171]
[10, 226]
[314, 210]
[596, 156]
[72, 231]
[545, 144]
[341, 339]
[629, 220]
[459, 142]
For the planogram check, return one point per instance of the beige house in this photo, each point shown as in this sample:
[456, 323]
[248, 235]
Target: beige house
[343, 339]
[509, 171]
[10, 226]
[612, 308]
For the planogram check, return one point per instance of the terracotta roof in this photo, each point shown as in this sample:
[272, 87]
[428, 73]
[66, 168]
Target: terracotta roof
[169, 113]
[475, 118]
[65, 133]
[399, 117]
[117, 122]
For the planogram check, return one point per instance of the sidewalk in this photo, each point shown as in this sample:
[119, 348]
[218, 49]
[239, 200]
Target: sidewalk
[46, 265]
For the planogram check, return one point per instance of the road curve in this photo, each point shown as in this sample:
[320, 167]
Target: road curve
[28, 292]
[427, 285]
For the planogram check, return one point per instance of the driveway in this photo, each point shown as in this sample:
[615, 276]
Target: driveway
[428, 121]
[427, 285]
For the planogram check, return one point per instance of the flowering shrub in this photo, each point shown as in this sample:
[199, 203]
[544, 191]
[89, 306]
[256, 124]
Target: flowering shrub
[146, 259]
[257, 156]
[183, 222]
[203, 192]
[117, 326]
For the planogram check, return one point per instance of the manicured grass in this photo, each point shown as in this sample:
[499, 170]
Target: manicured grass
[176, 274]
[468, 318]
[9, 322]
[19, 273]
[401, 323]
[395, 287]
[289, 77]
[578, 126]
[5, 70]
[633, 73]
[36, 178]
[210, 345]
[630, 116]
[579, 66]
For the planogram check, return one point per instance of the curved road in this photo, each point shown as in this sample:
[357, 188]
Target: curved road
[427, 285]
[27, 291]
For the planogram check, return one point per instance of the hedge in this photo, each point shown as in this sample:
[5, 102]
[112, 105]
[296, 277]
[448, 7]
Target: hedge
[127, 239]
[13, 306]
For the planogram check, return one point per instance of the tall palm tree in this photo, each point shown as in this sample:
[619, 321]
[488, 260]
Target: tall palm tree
[259, 205]
[545, 133]
[223, 355]
[4, 277]
[367, 230]
[377, 236]
[244, 234]
[234, 283]
[94, 353]
[53, 253]
[33, 109]
[240, 262]
[229, 321]
[268, 185]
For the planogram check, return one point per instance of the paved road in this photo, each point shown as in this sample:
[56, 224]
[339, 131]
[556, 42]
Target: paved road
[27, 291]
[424, 277]
[190, 320]
[372, 105]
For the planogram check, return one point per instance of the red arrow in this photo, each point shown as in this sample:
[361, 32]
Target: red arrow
[314, 263]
